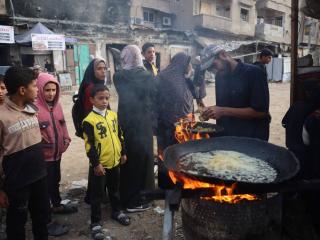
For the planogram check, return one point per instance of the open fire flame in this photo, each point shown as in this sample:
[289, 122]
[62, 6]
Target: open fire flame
[221, 193]
[183, 131]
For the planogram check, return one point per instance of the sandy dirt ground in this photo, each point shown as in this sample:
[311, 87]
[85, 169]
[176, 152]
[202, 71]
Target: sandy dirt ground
[147, 225]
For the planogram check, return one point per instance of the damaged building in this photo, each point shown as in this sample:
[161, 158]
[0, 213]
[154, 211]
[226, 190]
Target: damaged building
[104, 27]
[227, 22]
[4, 47]
[94, 28]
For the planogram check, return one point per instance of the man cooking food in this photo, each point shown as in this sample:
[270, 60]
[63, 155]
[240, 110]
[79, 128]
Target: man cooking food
[242, 95]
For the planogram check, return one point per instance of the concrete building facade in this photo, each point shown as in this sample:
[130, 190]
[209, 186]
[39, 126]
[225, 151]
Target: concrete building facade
[154, 20]
[273, 20]
[236, 17]
[104, 27]
[96, 28]
[274, 23]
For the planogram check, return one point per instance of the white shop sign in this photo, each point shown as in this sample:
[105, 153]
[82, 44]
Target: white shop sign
[6, 34]
[48, 42]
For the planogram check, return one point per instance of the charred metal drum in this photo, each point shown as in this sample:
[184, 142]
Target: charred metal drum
[246, 220]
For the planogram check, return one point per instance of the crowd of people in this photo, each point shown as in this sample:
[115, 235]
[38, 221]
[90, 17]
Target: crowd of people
[119, 146]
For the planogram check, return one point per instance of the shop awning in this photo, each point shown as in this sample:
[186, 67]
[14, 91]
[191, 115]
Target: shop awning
[228, 45]
[25, 38]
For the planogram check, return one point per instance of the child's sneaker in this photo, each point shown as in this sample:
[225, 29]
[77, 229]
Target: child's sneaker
[139, 208]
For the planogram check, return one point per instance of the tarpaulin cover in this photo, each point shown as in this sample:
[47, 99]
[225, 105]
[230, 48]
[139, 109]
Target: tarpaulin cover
[25, 38]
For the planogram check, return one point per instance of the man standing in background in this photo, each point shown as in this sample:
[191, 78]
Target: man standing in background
[264, 58]
[149, 53]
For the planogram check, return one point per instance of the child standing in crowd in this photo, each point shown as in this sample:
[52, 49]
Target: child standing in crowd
[24, 186]
[105, 150]
[55, 141]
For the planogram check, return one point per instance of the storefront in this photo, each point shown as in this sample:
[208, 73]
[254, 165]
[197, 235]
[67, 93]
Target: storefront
[6, 39]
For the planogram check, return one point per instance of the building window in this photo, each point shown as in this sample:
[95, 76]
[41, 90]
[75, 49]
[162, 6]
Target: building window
[277, 21]
[307, 30]
[244, 14]
[166, 21]
[148, 16]
[223, 11]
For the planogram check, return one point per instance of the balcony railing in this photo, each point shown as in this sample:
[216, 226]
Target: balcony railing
[213, 22]
[270, 32]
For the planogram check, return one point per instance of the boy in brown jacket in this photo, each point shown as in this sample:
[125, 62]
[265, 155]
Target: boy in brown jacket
[24, 186]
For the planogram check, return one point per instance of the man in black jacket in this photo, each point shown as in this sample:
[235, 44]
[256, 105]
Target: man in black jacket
[242, 95]
[265, 57]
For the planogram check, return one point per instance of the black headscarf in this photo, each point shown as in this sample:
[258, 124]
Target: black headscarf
[175, 99]
[89, 77]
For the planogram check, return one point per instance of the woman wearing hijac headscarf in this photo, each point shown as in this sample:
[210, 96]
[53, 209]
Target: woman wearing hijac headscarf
[136, 92]
[175, 97]
[174, 101]
[94, 74]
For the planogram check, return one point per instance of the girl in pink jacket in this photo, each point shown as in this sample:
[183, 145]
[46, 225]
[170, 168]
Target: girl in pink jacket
[55, 136]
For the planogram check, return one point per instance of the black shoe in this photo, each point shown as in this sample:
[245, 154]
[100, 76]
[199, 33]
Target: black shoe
[139, 208]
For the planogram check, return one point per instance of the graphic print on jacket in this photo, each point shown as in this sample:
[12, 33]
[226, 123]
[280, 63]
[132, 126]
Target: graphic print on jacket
[102, 130]
[102, 139]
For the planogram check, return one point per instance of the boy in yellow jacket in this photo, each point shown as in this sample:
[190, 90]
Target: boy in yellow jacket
[105, 150]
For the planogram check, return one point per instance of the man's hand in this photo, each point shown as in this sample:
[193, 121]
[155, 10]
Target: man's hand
[4, 202]
[213, 112]
[216, 112]
[123, 159]
[99, 170]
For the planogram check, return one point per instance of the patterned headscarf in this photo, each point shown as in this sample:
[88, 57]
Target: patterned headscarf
[131, 57]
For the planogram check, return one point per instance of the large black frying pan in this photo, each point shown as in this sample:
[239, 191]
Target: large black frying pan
[282, 160]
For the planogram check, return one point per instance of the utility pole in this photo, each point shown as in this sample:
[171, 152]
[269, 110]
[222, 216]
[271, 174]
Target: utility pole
[294, 47]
